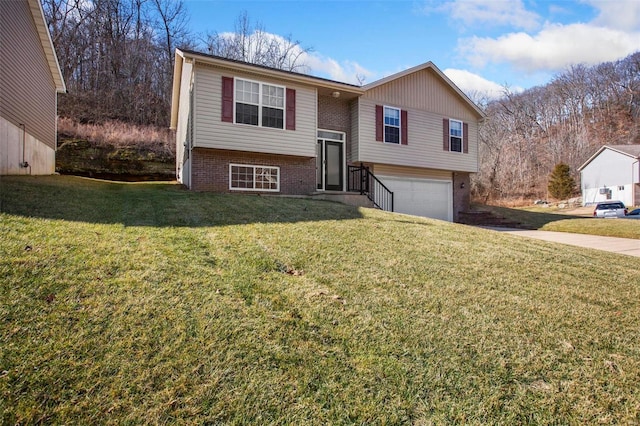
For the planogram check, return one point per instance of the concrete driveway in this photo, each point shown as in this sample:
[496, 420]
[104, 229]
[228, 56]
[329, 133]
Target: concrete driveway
[626, 246]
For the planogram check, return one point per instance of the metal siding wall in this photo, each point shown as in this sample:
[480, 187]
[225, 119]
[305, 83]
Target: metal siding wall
[27, 90]
[211, 132]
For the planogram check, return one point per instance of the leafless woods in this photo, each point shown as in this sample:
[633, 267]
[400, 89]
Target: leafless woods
[565, 121]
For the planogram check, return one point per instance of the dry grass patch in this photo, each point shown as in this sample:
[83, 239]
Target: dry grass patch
[119, 134]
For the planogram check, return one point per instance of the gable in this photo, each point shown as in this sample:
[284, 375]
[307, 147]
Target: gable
[622, 152]
[423, 90]
[609, 167]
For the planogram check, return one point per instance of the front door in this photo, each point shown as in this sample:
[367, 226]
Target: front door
[330, 165]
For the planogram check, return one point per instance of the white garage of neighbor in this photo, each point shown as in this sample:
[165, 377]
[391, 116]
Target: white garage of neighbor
[612, 173]
[421, 197]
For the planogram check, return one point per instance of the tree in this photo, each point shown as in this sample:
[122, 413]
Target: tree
[561, 183]
[252, 43]
[117, 57]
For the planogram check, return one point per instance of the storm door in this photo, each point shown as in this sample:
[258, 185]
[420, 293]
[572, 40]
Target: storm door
[330, 161]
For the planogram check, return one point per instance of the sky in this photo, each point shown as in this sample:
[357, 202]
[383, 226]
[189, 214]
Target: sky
[483, 46]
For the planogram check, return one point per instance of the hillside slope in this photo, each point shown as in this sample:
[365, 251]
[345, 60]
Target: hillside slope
[145, 303]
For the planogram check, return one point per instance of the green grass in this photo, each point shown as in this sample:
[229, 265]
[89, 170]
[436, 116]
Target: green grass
[623, 228]
[145, 303]
[561, 220]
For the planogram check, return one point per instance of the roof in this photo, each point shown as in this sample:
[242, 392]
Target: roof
[318, 82]
[47, 44]
[428, 66]
[632, 151]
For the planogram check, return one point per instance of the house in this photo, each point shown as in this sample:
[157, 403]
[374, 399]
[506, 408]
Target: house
[30, 78]
[408, 141]
[612, 173]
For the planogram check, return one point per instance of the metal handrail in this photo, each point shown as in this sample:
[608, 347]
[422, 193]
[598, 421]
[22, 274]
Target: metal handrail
[366, 183]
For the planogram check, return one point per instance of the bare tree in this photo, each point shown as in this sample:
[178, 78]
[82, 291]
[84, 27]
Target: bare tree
[252, 43]
[526, 134]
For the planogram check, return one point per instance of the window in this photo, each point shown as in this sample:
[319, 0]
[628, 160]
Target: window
[391, 125]
[455, 135]
[244, 177]
[259, 104]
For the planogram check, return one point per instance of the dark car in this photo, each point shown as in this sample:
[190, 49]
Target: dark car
[635, 213]
[610, 209]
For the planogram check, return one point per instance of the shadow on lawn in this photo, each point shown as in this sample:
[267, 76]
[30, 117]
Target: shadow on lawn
[528, 219]
[162, 204]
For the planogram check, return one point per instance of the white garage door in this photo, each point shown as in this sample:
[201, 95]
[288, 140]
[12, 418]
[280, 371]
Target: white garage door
[421, 197]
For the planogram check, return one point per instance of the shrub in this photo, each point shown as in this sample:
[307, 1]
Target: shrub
[561, 183]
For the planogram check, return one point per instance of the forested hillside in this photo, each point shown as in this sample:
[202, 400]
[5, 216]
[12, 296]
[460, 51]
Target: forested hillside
[565, 121]
[116, 57]
[117, 61]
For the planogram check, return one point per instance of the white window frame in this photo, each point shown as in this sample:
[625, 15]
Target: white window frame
[384, 125]
[260, 104]
[451, 120]
[254, 166]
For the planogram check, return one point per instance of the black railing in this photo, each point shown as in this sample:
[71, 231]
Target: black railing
[361, 180]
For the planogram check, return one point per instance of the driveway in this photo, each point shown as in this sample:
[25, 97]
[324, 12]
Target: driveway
[626, 246]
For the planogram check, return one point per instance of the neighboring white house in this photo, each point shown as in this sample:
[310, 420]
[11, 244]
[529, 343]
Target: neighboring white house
[612, 173]
[30, 79]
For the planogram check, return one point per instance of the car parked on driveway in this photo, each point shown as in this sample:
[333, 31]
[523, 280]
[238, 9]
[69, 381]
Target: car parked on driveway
[634, 214]
[610, 209]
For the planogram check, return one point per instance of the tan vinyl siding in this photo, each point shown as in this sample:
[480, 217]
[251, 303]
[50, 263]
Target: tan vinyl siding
[411, 172]
[27, 89]
[354, 131]
[423, 90]
[211, 132]
[425, 140]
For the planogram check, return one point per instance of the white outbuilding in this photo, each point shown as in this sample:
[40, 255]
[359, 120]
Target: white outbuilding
[612, 173]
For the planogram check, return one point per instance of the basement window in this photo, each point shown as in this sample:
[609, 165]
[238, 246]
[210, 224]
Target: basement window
[244, 177]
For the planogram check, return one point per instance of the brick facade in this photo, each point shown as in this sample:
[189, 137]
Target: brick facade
[461, 194]
[335, 114]
[210, 170]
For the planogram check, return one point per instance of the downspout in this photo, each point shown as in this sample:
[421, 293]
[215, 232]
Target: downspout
[24, 164]
[634, 174]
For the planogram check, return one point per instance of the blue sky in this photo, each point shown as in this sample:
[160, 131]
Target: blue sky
[482, 45]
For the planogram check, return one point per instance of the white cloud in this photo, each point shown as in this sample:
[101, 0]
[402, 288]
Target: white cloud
[620, 14]
[475, 86]
[316, 63]
[554, 48]
[510, 13]
[345, 71]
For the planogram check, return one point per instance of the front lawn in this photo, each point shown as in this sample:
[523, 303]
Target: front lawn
[146, 303]
[561, 220]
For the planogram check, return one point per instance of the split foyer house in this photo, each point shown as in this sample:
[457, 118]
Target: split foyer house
[612, 173]
[408, 141]
[30, 79]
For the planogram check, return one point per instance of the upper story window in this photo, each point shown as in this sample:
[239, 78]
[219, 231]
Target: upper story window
[259, 104]
[391, 125]
[455, 135]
